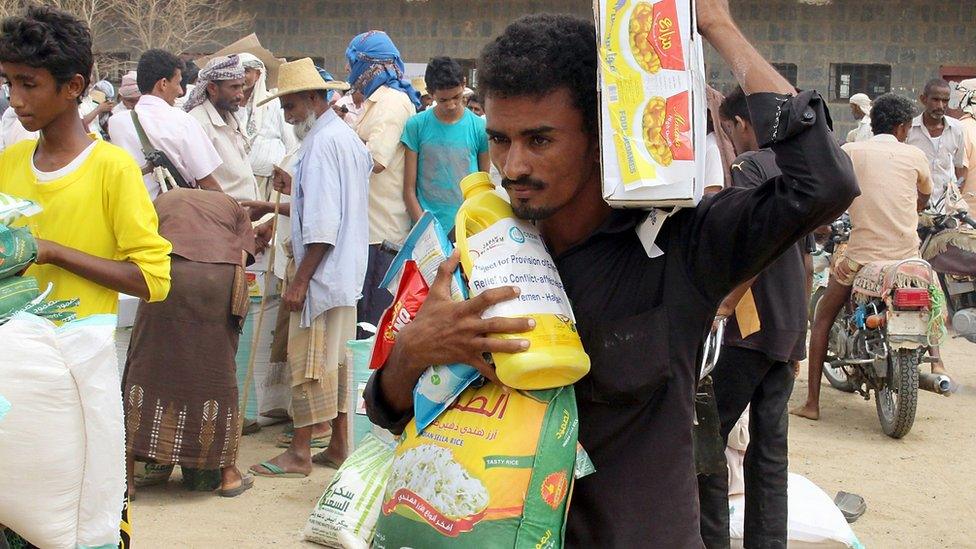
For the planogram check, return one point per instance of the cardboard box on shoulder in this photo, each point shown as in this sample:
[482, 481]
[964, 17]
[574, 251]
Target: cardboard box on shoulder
[652, 102]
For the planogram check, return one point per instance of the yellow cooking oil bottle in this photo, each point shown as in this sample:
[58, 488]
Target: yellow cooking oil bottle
[496, 250]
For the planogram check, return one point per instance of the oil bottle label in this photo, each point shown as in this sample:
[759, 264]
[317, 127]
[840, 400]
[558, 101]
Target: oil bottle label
[511, 253]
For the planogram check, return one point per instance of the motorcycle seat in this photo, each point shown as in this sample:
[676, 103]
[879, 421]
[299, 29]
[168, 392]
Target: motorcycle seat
[953, 252]
[877, 279]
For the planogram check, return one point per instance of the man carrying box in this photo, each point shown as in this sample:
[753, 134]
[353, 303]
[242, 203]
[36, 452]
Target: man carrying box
[642, 320]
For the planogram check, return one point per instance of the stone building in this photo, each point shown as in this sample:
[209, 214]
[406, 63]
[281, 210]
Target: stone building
[839, 47]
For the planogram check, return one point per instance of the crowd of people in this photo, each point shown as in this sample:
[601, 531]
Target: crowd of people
[176, 183]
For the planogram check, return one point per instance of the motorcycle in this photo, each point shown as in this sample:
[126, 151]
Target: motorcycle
[882, 335]
[949, 245]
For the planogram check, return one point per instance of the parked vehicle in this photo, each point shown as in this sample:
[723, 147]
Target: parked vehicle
[883, 335]
[949, 245]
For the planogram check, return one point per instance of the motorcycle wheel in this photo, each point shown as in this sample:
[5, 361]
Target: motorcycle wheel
[897, 400]
[837, 377]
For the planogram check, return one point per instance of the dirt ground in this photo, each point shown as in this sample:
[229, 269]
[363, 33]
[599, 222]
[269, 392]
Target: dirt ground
[920, 491]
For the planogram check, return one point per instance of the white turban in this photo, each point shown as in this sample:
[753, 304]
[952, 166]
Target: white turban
[862, 101]
[967, 95]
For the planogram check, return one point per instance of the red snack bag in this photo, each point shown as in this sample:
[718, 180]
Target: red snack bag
[411, 294]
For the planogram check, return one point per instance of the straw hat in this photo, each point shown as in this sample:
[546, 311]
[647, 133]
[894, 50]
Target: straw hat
[419, 84]
[301, 75]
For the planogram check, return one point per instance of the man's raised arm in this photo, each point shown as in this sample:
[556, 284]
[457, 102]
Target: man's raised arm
[734, 236]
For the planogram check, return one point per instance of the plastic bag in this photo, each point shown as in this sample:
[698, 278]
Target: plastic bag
[13, 208]
[17, 250]
[16, 293]
[62, 445]
[814, 520]
[439, 385]
[410, 295]
[351, 503]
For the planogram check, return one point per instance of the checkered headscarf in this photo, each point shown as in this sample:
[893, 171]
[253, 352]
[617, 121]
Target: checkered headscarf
[218, 69]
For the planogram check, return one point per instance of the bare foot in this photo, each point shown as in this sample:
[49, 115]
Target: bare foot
[809, 411]
[288, 463]
[938, 368]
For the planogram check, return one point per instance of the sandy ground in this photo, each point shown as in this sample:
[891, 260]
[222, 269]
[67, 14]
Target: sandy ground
[920, 491]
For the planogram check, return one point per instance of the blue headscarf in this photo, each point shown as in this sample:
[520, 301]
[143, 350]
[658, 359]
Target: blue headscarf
[327, 76]
[374, 61]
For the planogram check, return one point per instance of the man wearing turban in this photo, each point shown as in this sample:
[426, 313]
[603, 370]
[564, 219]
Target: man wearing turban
[214, 102]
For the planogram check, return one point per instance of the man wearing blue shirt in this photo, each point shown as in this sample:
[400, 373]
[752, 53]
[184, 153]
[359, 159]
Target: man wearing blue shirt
[329, 245]
[443, 145]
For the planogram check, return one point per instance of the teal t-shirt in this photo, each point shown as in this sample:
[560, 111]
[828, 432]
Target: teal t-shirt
[445, 154]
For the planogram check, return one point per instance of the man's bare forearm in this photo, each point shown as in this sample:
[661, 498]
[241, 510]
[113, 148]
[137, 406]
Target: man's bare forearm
[121, 276]
[398, 380]
[753, 72]
[314, 254]
[209, 183]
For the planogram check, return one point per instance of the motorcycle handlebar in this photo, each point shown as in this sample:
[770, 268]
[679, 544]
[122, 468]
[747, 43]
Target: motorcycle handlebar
[969, 221]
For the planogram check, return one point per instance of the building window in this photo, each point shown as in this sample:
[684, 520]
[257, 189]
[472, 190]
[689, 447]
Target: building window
[788, 70]
[846, 79]
[469, 68]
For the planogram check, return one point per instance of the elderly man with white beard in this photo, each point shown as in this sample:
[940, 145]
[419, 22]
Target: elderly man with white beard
[329, 246]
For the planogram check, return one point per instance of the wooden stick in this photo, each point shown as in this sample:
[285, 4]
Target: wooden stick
[257, 329]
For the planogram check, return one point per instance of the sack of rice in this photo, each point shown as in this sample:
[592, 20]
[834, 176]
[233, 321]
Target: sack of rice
[17, 250]
[494, 470]
[351, 502]
[62, 444]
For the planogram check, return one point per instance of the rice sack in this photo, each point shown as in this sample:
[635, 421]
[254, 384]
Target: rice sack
[493, 471]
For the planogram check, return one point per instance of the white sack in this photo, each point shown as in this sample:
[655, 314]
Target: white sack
[62, 451]
[814, 520]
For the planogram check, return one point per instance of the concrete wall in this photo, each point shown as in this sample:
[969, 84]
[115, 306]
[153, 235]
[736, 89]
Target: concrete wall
[421, 29]
[915, 37]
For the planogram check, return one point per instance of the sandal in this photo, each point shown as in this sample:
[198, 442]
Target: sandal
[247, 482]
[322, 458]
[272, 470]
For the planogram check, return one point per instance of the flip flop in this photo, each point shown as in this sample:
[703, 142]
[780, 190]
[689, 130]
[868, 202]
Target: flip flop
[284, 441]
[247, 482]
[274, 471]
[322, 459]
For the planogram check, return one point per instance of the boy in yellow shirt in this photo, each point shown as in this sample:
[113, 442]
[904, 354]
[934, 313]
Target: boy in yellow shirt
[97, 234]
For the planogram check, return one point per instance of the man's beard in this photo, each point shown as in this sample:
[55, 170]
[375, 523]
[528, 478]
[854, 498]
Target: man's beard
[227, 106]
[303, 128]
[521, 209]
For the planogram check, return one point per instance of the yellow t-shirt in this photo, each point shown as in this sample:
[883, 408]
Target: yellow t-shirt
[101, 208]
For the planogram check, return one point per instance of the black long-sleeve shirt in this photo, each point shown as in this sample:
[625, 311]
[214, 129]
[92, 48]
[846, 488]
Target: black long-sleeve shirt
[780, 291]
[642, 322]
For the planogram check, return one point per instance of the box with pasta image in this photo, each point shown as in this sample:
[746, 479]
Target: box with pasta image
[652, 102]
